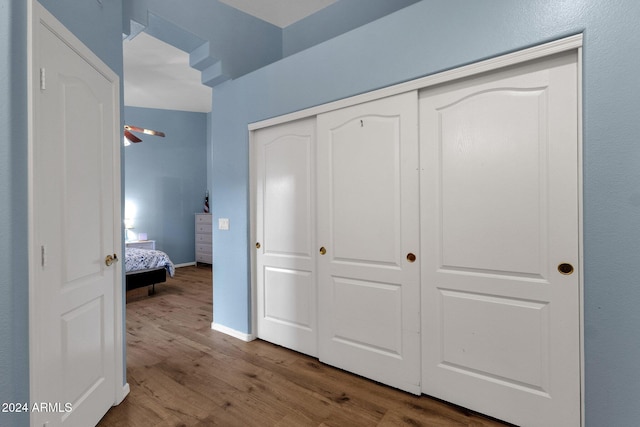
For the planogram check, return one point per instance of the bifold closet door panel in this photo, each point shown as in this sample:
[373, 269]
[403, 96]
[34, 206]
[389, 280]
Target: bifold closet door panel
[284, 158]
[368, 240]
[500, 243]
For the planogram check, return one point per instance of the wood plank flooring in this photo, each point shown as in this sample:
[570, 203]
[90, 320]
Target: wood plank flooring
[182, 373]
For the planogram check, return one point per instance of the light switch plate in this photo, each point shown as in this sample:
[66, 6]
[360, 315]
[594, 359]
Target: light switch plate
[223, 223]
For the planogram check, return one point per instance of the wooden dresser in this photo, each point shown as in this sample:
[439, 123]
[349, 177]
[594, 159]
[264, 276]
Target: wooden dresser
[204, 242]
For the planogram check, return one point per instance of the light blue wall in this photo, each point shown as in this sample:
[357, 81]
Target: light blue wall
[166, 178]
[14, 302]
[338, 18]
[435, 35]
[97, 23]
[209, 153]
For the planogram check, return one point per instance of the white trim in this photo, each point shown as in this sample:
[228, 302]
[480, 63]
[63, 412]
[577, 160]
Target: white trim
[118, 244]
[185, 264]
[540, 51]
[232, 332]
[123, 392]
[581, 239]
[253, 191]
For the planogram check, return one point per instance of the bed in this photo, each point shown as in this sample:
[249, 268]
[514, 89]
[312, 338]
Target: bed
[146, 267]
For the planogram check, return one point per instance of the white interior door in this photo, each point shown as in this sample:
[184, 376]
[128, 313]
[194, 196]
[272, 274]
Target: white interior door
[500, 232]
[369, 299]
[285, 235]
[76, 223]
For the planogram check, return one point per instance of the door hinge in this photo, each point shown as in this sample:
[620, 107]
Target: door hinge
[43, 83]
[42, 256]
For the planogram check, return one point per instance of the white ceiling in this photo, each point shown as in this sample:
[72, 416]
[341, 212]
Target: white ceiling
[158, 75]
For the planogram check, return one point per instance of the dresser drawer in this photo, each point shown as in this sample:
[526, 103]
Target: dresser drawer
[204, 228]
[204, 238]
[203, 219]
[207, 258]
[203, 248]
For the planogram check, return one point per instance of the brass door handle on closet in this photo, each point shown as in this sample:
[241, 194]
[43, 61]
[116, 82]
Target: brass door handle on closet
[411, 257]
[565, 268]
[323, 250]
[258, 245]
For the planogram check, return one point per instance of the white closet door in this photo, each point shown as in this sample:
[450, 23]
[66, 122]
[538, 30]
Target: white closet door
[500, 235]
[285, 229]
[369, 298]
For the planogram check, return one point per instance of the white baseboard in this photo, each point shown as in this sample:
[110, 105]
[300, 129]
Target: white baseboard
[232, 332]
[185, 264]
[122, 394]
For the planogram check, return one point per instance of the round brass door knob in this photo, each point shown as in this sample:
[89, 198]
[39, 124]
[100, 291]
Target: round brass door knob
[323, 251]
[565, 268]
[411, 257]
[110, 259]
[258, 245]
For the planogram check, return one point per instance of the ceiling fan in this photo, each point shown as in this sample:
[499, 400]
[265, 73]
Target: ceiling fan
[132, 138]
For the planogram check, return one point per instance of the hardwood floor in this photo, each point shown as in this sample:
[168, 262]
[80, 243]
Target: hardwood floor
[182, 373]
